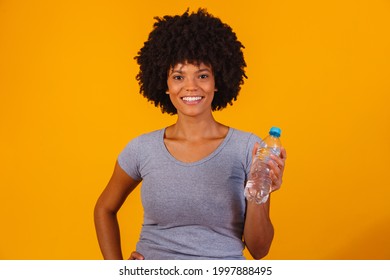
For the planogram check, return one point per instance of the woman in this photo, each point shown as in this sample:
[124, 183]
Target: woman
[193, 172]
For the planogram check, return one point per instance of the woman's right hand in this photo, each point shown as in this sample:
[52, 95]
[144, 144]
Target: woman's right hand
[136, 256]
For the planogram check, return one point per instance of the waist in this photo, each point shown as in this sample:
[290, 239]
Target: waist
[189, 242]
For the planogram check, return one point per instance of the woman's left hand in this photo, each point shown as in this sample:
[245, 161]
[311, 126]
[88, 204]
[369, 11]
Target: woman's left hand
[277, 165]
[136, 256]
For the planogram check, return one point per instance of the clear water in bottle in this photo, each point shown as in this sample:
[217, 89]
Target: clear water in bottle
[258, 186]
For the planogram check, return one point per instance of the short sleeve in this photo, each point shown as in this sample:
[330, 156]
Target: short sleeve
[128, 159]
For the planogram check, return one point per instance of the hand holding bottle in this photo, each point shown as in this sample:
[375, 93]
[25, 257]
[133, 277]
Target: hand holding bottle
[277, 168]
[267, 168]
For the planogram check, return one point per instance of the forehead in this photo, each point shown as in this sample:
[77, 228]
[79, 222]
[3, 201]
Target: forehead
[181, 66]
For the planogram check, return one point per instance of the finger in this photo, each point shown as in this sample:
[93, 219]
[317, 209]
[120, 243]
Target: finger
[276, 173]
[136, 256]
[283, 153]
[273, 176]
[276, 182]
[280, 161]
[274, 166]
[254, 150]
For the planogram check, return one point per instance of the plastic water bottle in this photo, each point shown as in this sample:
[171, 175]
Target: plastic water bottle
[258, 186]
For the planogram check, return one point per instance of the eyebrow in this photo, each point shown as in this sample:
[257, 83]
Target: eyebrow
[181, 71]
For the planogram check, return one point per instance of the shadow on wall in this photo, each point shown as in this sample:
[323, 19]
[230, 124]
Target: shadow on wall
[372, 244]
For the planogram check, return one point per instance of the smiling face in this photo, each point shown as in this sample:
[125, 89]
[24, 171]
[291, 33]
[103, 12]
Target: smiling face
[191, 88]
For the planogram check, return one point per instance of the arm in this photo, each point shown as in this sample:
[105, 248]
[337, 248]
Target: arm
[106, 208]
[258, 228]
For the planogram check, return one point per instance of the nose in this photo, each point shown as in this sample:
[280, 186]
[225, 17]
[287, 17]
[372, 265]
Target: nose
[191, 85]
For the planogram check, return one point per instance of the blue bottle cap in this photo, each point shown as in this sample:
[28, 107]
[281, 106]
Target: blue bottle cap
[275, 131]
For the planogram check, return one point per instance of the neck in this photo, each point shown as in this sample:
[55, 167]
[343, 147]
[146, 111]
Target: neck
[191, 128]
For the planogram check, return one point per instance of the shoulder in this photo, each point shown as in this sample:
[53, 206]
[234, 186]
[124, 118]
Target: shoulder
[243, 137]
[143, 142]
[148, 137]
[137, 151]
[156, 134]
[241, 144]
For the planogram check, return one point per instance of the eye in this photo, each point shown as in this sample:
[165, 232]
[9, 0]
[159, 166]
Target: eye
[178, 77]
[203, 76]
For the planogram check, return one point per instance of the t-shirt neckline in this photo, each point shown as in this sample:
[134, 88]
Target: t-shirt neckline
[198, 162]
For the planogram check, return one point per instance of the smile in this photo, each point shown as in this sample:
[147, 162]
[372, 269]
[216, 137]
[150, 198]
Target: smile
[191, 98]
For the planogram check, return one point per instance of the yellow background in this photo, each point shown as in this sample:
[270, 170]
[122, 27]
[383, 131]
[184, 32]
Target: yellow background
[69, 104]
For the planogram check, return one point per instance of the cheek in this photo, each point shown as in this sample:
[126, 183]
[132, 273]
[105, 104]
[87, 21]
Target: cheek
[210, 88]
[210, 85]
[173, 89]
[174, 99]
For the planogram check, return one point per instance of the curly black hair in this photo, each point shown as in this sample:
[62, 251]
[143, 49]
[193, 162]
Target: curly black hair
[196, 37]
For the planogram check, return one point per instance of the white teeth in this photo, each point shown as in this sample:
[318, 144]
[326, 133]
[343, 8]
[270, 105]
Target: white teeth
[192, 98]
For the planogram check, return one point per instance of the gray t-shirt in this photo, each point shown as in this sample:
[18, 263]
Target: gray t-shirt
[191, 210]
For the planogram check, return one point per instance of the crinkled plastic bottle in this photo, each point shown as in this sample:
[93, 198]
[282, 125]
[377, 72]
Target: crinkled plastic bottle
[257, 188]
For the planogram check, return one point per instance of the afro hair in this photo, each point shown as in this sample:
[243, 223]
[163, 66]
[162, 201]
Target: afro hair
[196, 37]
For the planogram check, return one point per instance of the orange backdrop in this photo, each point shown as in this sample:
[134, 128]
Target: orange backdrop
[69, 104]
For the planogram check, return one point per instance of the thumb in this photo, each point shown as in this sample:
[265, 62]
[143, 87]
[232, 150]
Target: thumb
[254, 151]
[136, 256]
